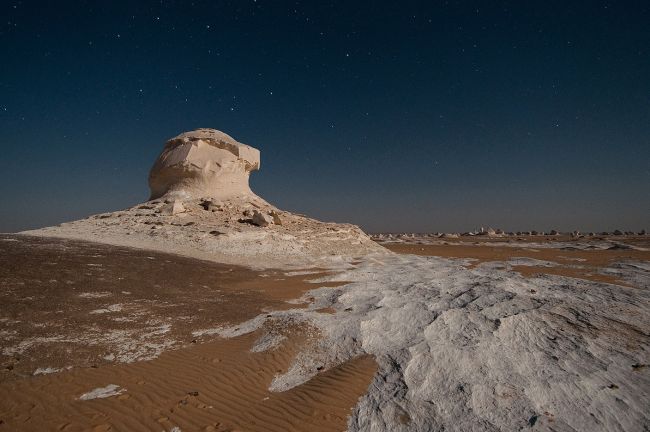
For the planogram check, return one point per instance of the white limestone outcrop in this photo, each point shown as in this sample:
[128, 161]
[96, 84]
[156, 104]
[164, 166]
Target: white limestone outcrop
[202, 206]
[203, 162]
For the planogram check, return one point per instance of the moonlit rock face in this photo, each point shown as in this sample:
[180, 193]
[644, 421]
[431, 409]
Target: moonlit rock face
[203, 162]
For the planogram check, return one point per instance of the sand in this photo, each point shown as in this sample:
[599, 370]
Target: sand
[218, 386]
[81, 320]
[505, 336]
[567, 261]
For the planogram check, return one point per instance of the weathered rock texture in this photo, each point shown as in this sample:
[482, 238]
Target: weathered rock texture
[203, 162]
[202, 206]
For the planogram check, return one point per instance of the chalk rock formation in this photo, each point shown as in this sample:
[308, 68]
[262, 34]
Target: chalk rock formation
[203, 162]
[202, 206]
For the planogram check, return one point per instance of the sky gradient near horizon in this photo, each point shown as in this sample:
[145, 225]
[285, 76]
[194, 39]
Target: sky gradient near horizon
[396, 116]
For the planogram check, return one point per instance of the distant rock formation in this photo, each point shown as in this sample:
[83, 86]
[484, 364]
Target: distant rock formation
[203, 162]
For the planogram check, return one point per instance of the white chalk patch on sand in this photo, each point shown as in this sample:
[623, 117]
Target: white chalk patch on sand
[102, 392]
[128, 346]
[109, 309]
[302, 272]
[46, 371]
[268, 342]
[27, 344]
[95, 294]
[572, 259]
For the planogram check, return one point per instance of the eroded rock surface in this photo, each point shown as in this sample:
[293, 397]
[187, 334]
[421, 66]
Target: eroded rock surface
[484, 348]
[203, 162]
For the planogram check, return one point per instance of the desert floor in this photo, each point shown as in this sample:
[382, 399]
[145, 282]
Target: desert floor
[79, 316]
[99, 337]
[569, 260]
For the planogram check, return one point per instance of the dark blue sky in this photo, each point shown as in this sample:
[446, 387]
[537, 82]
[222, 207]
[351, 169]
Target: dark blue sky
[403, 116]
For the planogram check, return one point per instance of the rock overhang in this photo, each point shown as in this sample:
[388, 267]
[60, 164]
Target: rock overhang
[203, 162]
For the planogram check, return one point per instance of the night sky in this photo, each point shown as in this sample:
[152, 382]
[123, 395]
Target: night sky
[397, 116]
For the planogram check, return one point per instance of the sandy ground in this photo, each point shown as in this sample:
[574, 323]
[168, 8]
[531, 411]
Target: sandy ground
[77, 316]
[575, 260]
[454, 335]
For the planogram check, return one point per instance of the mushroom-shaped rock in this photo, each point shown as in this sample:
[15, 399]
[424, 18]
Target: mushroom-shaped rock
[203, 162]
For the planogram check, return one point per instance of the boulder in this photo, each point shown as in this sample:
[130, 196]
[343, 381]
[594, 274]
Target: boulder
[211, 205]
[172, 208]
[276, 218]
[261, 219]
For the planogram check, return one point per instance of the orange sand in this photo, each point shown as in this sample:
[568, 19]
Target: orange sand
[584, 263]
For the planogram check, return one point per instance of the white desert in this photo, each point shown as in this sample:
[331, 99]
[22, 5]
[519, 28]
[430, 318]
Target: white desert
[208, 308]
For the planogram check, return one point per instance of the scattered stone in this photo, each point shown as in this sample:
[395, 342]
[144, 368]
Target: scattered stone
[261, 219]
[210, 205]
[172, 208]
[276, 218]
